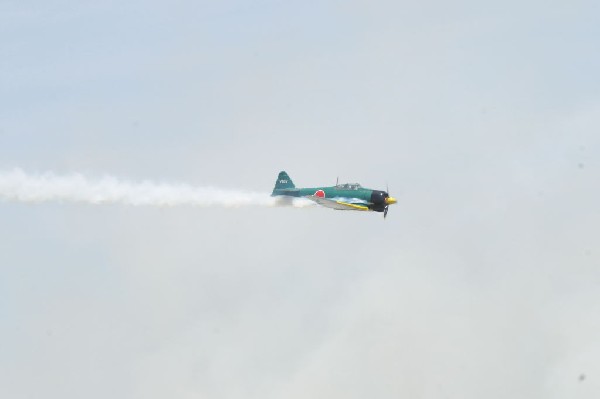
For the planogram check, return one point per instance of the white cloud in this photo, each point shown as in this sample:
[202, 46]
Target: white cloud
[482, 282]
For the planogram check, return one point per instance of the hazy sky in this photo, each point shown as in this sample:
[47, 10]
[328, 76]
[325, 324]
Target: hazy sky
[483, 118]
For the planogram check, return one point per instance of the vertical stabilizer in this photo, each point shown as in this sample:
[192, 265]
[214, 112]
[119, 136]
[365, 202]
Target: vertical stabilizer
[283, 182]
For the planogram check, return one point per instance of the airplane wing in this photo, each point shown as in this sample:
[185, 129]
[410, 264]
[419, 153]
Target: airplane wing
[342, 204]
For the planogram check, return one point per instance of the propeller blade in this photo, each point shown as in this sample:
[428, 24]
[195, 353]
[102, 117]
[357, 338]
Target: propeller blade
[385, 211]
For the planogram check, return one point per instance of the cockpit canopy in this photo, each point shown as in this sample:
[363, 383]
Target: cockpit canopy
[348, 186]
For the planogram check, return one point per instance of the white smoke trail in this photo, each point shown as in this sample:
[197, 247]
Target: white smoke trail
[16, 185]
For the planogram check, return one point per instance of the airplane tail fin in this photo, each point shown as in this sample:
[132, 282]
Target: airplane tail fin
[283, 181]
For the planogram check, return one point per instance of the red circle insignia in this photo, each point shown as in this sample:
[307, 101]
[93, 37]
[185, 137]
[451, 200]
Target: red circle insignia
[320, 194]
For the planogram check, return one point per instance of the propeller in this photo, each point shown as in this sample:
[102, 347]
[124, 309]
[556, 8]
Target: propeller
[387, 191]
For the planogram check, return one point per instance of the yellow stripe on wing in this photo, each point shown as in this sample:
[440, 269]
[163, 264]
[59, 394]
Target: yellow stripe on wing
[359, 207]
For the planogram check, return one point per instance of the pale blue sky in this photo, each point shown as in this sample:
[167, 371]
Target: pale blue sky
[482, 117]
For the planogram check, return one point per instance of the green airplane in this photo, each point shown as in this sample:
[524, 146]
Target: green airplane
[347, 197]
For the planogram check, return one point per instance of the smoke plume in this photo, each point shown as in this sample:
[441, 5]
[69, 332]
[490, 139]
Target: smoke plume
[16, 185]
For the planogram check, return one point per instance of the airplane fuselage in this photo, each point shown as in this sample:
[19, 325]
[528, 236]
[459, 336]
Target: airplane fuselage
[375, 199]
[348, 196]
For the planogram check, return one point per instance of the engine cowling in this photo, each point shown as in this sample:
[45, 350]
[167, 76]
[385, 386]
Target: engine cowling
[378, 200]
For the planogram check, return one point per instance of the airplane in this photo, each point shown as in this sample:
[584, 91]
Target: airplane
[347, 197]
